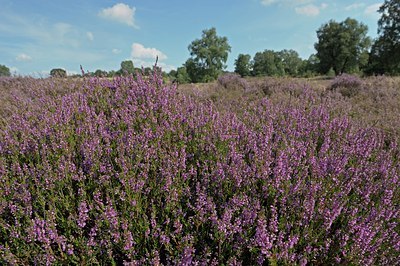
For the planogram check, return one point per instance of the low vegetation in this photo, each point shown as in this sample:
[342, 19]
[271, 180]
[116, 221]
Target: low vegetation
[256, 171]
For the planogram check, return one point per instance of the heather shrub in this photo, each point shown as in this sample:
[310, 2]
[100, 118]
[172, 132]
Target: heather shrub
[233, 81]
[129, 172]
[347, 85]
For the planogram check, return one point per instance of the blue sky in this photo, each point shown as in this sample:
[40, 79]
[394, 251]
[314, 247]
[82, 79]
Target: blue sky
[38, 35]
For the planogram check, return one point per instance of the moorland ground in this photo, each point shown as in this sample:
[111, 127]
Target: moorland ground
[240, 171]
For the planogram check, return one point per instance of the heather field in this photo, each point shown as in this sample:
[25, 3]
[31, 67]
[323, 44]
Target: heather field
[257, 171]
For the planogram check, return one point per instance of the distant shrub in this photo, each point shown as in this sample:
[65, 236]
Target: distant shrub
[58, 73]
[347, 85]
[233, 81]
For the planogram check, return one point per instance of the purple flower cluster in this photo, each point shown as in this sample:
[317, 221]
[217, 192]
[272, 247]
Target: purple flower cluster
[130, 172]
[233, 81]
[347, 85]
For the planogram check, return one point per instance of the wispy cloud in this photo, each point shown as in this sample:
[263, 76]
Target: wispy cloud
[120, 13]
[23, 58]
[268, 2]
[39, 32]
[372, 10]
[14, 70]
[286, 2]
[354, 6]
[308, 10]
[116, 51]
[90, 36]
[324, 5]
[302, 7]
[139, 51]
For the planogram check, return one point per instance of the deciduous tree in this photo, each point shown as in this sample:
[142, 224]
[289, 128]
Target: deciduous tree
[58, 73]
[127, 67]
[342, 46]
[291, 61]
[385, 52]
[208, 56]
[243, 65]
[4, 71]
[268, 63]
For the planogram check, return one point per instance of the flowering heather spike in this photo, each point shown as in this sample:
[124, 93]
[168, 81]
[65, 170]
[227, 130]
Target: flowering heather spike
[82, 71]
[131, 172]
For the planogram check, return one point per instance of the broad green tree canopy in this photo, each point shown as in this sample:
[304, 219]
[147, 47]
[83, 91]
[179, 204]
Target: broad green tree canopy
[292, 63]
[342, 46]
[4, 71]
[268, 63]
[127, 67]
[243, 65]
[385, 54]
[208, 56]
[58, 73]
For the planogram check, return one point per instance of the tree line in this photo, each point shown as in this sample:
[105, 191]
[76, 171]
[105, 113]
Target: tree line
[342, 47]
[127, 68]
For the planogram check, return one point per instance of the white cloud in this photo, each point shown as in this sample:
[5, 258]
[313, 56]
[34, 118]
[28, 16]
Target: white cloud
[143, 63]
[116, 51]
[354, 6]
[267, 2]
[40, 32]
[23, 57]
[90, 36]
[72, 72]
[146, 57]
[302, 7]
[121, 13]
[62, 28]
[309, 10]
[13, 70]
[372, 10]
[139, 51]
[324, 5]
[286, 2]
[65, 34]
[300, 2]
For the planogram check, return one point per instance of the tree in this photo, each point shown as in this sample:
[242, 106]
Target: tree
[208, 56]
[385, 52]
[268, 63]
[292, 63]
[342, 46]
[111, 73]
[4, 71]
[310, 66]
[182, 76]
[100, 73]
[127, 67]
[243, 65]
[58, 73]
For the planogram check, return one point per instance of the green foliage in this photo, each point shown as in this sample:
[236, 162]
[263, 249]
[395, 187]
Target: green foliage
[280, 63]
[292, 63]
[4, 71]
[243, 65]
[182, 76]
[127, 67]
[208, 56]
[111, 73]
[268, 63]
[100, 73]
[385, 52]
[309, 67]
[342, 46]
[58, 73]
